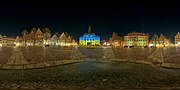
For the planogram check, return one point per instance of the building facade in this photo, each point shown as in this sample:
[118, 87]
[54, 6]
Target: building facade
[1, 40]
[47, 38]
[164, 41]
[18, 41]
[63, 39]
[7, 41]
[38, 38]
[89, 39]
[116, 40]
[136, 39]
[161, 41]
[177, 39]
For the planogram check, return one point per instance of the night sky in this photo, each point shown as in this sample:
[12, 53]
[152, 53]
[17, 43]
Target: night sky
[122, 17]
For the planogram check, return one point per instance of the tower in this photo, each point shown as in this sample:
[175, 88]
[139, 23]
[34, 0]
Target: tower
[89, 29]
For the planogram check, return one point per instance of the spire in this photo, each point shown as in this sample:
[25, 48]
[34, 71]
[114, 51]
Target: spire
[89, 29]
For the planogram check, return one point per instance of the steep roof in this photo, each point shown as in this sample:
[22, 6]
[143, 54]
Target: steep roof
[54, 37]
[63, 35]
[136, 34]
[162, 37]
[38, 32]
[177, 35]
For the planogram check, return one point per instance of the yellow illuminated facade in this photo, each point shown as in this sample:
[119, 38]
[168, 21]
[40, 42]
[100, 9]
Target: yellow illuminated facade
[136, 39]
[161, 41]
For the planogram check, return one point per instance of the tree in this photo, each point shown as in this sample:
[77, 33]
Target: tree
[155, 39]
[47, 33]
[66, 34]
[57, 34]
[33, 32]
[24, 35]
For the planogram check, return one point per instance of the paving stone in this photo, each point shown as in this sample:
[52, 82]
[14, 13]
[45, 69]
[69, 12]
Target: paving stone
[146, 62]
[6, 66]
[156, 56]
[166, 64]
[18, 67]
[58, 62]
[50, 63]
[140, 61]
[65, 61]
[30, 66]
[17, 58]
[76, 54]
[109, 54]
[47, 64]
[39, 65]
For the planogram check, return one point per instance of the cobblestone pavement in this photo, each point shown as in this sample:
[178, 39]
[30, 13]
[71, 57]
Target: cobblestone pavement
[171, 55]
[43, 54]
[92, 74]
[17, 58]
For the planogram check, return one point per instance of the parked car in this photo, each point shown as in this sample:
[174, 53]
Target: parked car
[145, 46]
[47, 45]
[131, 46]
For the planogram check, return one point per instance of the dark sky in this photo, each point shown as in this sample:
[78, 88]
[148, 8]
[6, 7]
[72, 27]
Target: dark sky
[122, 17]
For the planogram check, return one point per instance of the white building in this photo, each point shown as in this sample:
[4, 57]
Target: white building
[177, 39]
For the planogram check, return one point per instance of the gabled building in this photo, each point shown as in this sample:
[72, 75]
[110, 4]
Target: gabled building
[38, 38]
[31, 38]
[177, 39]
[54, 40]
[116, 40]
[164, 41]
[62, 39]
[89, 39]
[160, 41]
[18, 41]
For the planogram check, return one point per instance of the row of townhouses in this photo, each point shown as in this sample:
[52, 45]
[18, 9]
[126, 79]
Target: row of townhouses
[136, 39]
[38, 37]
[133, 39]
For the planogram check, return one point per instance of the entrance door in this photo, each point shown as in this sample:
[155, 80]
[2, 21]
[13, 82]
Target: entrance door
[89, 43]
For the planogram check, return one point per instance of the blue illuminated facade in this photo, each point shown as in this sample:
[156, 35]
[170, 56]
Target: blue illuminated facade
[89, 39]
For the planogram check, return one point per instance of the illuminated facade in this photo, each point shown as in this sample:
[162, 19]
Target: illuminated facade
[18, 41]
[177, 39]
[54, 40]
[46, 38]
[38, 37]
[62, 39]
[136, 39]
[163, 41]
[116, 40]
[160, 41]
[89, 39]
[1, 40]
[6, 41]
